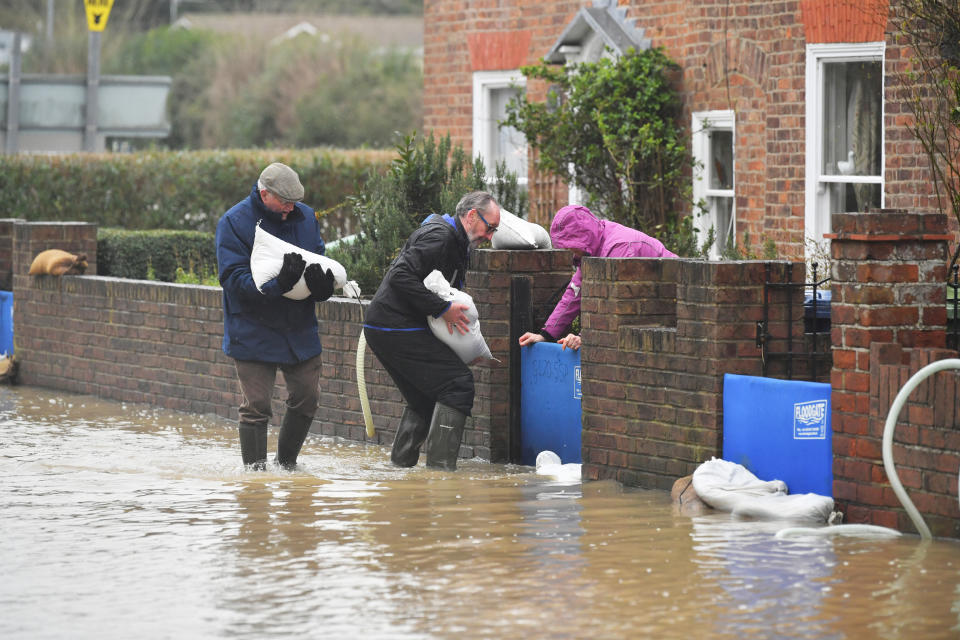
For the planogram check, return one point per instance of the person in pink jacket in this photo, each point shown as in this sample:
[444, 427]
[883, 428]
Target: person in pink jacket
[576, 228]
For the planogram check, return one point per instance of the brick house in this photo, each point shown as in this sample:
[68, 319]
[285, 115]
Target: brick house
[791, 103]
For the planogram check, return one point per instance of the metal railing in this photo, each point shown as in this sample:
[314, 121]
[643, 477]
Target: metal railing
[814, 350]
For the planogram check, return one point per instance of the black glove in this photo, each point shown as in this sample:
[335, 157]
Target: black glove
[319, 283]
[290, 272]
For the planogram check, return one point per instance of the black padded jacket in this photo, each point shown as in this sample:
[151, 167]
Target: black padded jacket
[402, 301]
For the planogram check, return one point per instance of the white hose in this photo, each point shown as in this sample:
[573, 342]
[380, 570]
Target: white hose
[838, 530]
[898, 402]
[362, 385]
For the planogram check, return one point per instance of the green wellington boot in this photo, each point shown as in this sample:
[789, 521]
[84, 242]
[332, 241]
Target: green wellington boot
[410, 436]
[293, 431]
[443, 440]
[253, 445]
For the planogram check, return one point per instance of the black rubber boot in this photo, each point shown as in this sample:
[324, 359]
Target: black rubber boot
[443, 440]
[293, 432]
[410, 436]
[253, 445]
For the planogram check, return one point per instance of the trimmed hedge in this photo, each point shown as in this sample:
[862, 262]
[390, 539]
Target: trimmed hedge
[182, 190]
[155, 254]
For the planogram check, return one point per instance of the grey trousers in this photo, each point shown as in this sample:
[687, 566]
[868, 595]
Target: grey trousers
[257, 380]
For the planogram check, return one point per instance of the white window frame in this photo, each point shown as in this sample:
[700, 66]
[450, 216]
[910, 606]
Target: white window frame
[484, 128]
[703, 123]
[816, 220]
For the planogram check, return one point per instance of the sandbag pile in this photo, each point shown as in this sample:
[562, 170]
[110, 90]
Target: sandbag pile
[728, 486]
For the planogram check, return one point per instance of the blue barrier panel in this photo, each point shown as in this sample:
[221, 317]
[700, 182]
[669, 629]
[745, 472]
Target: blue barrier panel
[780, 430]
[550, 402]
[6, 323]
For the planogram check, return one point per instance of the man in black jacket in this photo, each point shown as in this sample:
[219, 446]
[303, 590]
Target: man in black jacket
[436, 385]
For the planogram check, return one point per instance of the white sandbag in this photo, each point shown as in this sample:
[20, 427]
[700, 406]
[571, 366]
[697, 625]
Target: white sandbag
[549, 464]
[723, 484]
[266, 259]
[470, 345]
[515, 233]
[541, 236]
[728, 486]
[800, 506]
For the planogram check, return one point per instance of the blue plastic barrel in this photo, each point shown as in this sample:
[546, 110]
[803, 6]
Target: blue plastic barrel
[550, 402]
[780, 430]
[6, 323]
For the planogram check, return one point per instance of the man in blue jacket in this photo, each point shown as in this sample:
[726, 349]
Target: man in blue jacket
[436, 385]
[262, 329]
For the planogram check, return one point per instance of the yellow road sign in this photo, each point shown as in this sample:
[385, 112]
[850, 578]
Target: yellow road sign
[97, 13]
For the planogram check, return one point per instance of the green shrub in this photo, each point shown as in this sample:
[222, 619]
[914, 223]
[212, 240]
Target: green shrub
[767, 251]
[156, 255]
[189, 277]
[174, 190]
[428, 176]
[617, 124]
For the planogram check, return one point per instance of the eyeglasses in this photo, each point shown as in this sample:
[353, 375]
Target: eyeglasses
[491, 228]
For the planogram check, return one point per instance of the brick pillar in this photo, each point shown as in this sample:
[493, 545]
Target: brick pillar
[888, 278]
[493, 280]
[658, 336]
[6, 252]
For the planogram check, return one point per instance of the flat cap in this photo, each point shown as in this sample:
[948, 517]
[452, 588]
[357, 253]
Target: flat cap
[282, 181]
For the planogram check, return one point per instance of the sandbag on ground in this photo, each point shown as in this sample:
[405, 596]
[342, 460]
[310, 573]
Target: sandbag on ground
[728, 486]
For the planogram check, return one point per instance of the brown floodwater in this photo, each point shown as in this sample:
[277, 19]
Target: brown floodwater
[123, 521]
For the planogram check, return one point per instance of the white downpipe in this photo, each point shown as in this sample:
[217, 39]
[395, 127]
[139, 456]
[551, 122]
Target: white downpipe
[898, 402]
[362, 385]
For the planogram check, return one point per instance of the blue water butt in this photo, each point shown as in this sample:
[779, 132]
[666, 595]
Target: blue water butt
[6, 323]
[780, 430]
[550, 402]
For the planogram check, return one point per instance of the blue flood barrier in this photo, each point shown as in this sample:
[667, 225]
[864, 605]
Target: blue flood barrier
[6, 323]
[550, 402]
[780, 430]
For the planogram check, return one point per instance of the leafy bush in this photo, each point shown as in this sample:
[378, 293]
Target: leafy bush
[155, 255]
[355, 96]
[302, 92]
[174, 190]
[428, 176]
[616, 122]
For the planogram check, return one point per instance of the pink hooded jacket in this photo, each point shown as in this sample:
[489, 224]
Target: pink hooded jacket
[575, 227]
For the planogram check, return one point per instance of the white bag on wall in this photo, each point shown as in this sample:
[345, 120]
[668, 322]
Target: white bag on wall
[515, 233]
[469, 346]
[266, 259]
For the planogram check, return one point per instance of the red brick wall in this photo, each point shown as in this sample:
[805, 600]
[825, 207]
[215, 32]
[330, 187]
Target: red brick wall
[6, 253]
[745, 55]
[888, 316]
[662, 334]
[926, 450]
[160, 344]
[447, 27]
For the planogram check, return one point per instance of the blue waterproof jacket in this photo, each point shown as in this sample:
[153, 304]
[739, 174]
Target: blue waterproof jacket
[264, 326]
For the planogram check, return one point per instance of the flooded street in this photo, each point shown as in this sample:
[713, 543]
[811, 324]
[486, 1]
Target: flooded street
[128, 522]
